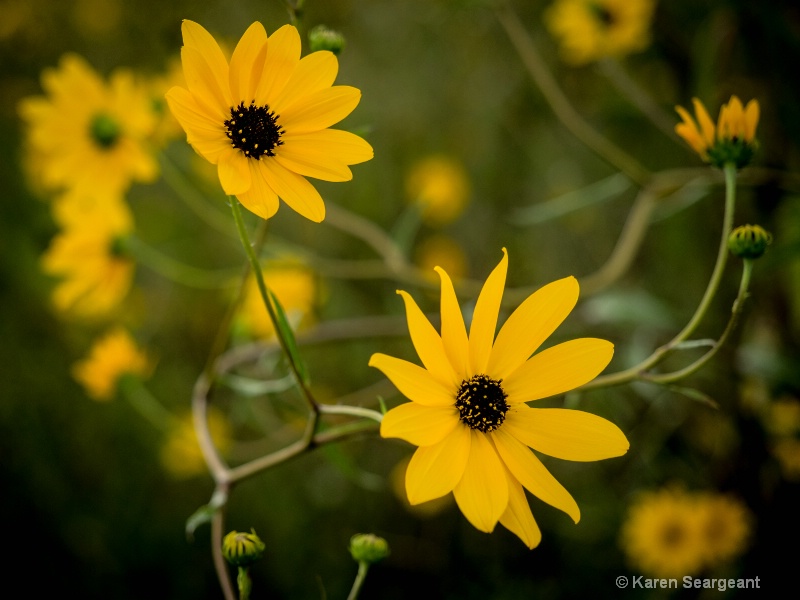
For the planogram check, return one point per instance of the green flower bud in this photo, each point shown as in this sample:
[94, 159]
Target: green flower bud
[368, 548]
[749, 241]
[323, 38]
[242, 549]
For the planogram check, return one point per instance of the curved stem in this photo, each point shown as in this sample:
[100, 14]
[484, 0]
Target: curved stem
[355, 411]
[368, 232]
[217, 531]
[363, 567]
[713, 284]
[175, 270]
[558, 101]
[145, 403]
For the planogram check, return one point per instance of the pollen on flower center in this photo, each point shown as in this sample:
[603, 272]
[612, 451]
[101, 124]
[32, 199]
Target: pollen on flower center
[481, 403]
[254, 130]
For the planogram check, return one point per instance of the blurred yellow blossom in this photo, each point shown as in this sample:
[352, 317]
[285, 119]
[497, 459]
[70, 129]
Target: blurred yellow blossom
[112, 356]
[443, 251]
[88, 134]
[439, 184]
[662, 534]
[731, 140]
[181, 455]
[88, 256]
[295, 286]
[787, 452]
[166, 127]
[726, 527]
[589, 30]
[264, 118]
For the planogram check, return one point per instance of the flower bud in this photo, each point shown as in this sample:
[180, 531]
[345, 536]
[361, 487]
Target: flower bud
[368, 548]
[242, 549]
[749, 241]
[323, 38]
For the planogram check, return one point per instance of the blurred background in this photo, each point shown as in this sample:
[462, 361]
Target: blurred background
[95, 496]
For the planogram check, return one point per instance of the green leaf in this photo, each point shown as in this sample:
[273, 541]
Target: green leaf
[694, 394]
[288, 335]
[205, 513]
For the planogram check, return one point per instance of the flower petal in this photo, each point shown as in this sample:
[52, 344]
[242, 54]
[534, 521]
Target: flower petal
[247, 63]
[208, 86]
[484, 318]
[428, 344]
[313, 73]
[567, 434]
[203, 131]
[414, 382]
[323, 154]
[751, 115]
[260, 199]
[454, 332]
[518, 518]
[435, 470]
[234, 174]
[558, 369]
[283, 54]
[706, 124]
[530, 325]
[531, 473]
[482, 493]
[320, 110]
[419, 425]
[295, 190]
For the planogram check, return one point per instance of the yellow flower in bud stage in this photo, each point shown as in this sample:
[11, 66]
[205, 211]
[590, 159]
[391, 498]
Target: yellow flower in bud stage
[242, 549]
[87, 134]
[295, 286]
[732, 139]
[181, 455]
[264, 118]
[662, 534]
[589, 30]
[439, 184]
[468, 411]
[112, 356]
[88, 257]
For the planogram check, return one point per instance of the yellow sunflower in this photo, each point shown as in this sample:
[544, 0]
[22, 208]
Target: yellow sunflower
[589, 30]
[94, 272]
[264, 118]
[726, 527]
[468, 411]
[87, 134]
[733, 139]
[112, 356]
[663, 534]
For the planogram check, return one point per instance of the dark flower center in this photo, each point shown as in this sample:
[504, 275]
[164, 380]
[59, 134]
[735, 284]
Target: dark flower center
[481, 403]
[254, 130]
[602, 14]
[104, 130]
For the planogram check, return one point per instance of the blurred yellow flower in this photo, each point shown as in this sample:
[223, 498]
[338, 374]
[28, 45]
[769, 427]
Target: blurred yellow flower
[87, 134]
[731, 140]
[662, 535]
[167, 127]
[468, 411]
[589, 30]
[439, 184]
[725, 527]
[264, 118]
[181, 455]
[112, 356]
[295, 286]
[787, 452]
[87, 255]
[441, 251]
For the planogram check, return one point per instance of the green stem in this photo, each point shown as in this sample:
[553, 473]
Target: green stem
[174, 270]
[356, 411]
[363, 567]
[713, 284]
[255, 266]
[245, 583]
[145, 403]
[559, 103]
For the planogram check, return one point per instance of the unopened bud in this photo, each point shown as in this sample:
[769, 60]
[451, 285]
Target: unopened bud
[242, 549]
[368, 548]
[749, 241]
[323, 38]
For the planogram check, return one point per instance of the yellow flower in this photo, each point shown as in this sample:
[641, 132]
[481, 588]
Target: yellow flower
[725, 528]
[589, 30]
[89, 134]
[95, 274]
[731, 140]
[112, 356]
[264, 118]
[295, 286]
[167, 127]
[662, 534]
[468, 414]
[443, 251]
[439, 184]
[786, 451]
[181, 455]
